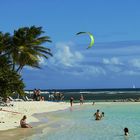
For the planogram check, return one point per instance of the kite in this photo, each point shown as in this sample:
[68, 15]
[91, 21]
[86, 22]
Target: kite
[91, 38]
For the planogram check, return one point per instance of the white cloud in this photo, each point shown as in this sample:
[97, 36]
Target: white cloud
[107, 62]
[112, 61]
[94, 70]
[131, 73]
[135, 62]
[74, 62]
[113, 68]
[70, 59]
[42, 61]
[66, 56]
[86, 71]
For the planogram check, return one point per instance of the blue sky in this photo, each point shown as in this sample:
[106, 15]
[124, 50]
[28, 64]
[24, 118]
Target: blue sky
[112, 62]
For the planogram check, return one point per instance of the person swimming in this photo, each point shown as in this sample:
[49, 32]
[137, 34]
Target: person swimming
[103, 114]
[126, 131]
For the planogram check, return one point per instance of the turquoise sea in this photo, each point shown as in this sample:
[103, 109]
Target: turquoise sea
[78, 123]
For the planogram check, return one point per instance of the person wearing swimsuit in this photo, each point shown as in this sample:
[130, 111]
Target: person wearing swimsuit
[97, 115]
[23, 123]
[71, 101]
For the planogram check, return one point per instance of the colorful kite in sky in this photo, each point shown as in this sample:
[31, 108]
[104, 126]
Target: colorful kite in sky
[91, 38]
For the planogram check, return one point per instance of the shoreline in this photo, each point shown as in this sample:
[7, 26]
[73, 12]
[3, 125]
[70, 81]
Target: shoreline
[52, 120]
[31, 109]
[11, 115]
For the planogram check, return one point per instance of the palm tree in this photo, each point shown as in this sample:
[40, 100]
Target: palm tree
[27, 47]
[5, 43]
[24, 47]
[10, 82]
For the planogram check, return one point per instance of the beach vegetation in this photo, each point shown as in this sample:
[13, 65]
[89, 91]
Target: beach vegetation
[10, 81]
[25, 47]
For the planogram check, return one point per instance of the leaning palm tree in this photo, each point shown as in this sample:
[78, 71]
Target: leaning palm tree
[27, 47]
[5, 49]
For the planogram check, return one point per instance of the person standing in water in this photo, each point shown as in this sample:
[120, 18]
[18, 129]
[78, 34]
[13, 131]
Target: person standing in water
[71, 101]
[93, 103]
[98, 115]
[81, 99]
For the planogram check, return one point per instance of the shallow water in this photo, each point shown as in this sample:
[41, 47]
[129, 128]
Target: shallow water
[78, 123]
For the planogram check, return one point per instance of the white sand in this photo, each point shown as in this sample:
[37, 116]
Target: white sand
[11, 120]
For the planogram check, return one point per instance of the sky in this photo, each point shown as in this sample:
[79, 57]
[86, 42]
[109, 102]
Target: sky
[112, 62]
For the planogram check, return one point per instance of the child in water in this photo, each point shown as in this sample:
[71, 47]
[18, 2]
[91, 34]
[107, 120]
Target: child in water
[126, 131]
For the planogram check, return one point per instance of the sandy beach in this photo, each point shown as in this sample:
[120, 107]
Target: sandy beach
[10, 116]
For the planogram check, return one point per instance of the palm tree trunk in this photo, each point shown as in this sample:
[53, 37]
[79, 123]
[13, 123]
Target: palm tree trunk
[13, 67]
[19, 69]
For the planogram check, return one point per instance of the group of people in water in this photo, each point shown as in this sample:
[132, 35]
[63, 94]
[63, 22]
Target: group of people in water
[98, 115]
[81, 100]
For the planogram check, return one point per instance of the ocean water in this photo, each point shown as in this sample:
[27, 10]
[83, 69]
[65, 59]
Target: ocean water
[93, 94]
[78, 123]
